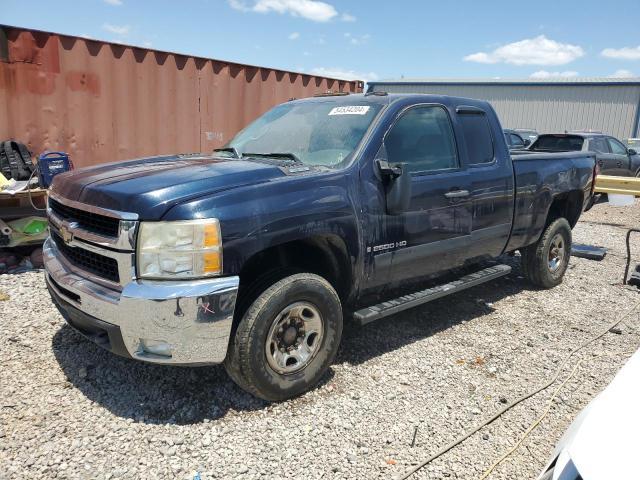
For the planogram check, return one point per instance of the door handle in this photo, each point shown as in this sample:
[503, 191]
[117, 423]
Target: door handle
[600, 162]
[619, 164]
[457, 194]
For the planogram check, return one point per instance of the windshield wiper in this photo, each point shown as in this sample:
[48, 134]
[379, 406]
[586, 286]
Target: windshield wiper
[232, 150]
[281, 155]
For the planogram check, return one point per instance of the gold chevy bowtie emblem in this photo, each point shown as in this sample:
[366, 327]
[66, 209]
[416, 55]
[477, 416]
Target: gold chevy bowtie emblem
[67, 236]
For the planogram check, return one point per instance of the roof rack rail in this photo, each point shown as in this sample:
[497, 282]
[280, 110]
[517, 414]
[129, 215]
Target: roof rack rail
[330, 93]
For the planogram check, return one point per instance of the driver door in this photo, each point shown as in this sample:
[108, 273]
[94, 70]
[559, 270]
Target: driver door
[432, 235]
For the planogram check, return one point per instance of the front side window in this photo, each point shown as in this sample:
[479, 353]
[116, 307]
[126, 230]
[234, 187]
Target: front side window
[616, 147]
[477, 137]
[318, 133]
[423, 139]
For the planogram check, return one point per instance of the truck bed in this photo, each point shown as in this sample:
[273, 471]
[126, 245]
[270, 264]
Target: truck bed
[539, 177]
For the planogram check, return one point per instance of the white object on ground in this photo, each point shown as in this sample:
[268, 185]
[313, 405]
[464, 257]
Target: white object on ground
[618, 200]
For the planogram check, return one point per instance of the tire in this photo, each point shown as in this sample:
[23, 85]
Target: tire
[544, 263]
[269, 361]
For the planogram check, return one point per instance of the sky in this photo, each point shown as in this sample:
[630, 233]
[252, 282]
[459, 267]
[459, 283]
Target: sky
[373, 40]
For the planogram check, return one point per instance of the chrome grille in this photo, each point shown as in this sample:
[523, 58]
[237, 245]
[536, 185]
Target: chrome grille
[91, 222]
[92, 262]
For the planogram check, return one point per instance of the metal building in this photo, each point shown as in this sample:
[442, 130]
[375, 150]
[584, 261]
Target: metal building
[610, 105]
[102, 101]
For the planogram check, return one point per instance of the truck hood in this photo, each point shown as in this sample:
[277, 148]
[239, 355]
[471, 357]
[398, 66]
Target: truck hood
[151, 186]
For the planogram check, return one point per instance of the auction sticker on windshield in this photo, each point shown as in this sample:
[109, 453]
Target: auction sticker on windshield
[350, 110]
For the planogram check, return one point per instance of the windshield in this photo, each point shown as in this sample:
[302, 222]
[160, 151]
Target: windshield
[314, 133]
[557, 143]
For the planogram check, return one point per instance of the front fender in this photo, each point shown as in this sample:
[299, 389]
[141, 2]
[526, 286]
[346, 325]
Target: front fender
[259, 217]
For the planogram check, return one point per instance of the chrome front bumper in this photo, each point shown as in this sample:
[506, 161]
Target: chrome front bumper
[190, 319]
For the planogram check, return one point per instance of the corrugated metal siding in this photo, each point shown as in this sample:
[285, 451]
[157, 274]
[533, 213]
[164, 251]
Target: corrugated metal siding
[103, 102]
[612, 109]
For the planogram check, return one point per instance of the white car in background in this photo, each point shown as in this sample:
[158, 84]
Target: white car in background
[602, 443]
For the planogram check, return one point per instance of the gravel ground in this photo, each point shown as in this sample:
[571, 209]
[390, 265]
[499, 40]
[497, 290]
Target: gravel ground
[71, 410]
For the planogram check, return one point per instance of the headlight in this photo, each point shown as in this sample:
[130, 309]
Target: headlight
[181, 249]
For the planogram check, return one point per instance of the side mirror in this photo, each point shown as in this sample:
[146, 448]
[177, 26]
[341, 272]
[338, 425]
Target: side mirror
[397, 186]
[527, 142]
[632, 151]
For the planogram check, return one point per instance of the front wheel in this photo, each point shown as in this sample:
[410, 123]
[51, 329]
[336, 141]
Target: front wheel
[287, 338]
[544, 263]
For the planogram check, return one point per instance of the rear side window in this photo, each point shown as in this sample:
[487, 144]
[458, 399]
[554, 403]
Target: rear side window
[598, 145]
[423, 139]
[477, 137]
[558, 143]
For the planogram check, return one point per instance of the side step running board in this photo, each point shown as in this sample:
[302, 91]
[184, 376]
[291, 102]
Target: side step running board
[384, 309]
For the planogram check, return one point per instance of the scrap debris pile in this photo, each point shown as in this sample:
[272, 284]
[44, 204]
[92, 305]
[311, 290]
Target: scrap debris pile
[23, 191]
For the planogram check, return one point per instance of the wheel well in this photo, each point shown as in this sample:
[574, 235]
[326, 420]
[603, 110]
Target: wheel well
[324, 255]
[566, 205]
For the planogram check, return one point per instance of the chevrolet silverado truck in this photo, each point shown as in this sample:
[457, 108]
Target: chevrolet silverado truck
[338, 205]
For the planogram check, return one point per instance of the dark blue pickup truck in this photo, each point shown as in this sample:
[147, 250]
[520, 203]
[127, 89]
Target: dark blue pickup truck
[322, 207]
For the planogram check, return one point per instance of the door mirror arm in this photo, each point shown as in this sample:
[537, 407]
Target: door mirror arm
[632, 152]
[388, 170]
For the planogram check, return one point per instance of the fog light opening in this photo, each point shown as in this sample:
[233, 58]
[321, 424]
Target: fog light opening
[156, 347]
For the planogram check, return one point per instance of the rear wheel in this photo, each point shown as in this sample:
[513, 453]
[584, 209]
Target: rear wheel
[287, 338]
[544, 263]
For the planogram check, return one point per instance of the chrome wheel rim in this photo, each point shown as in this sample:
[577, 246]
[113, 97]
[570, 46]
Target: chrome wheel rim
[294, 338]
[557, 252]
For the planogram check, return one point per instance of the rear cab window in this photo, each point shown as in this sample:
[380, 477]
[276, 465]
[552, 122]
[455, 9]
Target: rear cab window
[558, 143]
[478, 136]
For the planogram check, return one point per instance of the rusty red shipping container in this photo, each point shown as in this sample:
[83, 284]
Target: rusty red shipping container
[103, 102]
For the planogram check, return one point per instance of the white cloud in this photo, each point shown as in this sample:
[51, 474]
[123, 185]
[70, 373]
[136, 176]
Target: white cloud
[531, 51]
[343, 74]
[310, 9]
[357, 39]
[147, 44]
[115, 3]
[347, 17]
[117, 29]
[622, 74]
[624, 53]
[294, 36]
[544, 74]
[306, 54]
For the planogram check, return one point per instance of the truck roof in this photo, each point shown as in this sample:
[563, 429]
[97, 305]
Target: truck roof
[387, 99]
